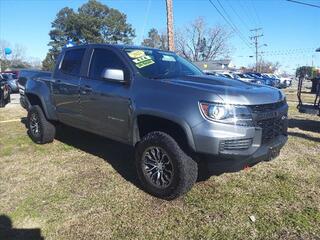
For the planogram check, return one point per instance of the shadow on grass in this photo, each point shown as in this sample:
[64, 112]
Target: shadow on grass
[305, 125]
[120, 156]
[305, 136]
[8, 232]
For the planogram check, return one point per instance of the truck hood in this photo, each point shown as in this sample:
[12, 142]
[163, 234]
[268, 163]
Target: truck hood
[231, 91]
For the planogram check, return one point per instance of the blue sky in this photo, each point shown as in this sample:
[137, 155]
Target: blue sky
[291, 31]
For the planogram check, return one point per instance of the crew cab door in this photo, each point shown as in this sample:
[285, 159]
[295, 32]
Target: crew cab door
[105, 103]
[66, 87]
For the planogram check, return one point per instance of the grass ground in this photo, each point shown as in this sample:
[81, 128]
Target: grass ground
[84, 187]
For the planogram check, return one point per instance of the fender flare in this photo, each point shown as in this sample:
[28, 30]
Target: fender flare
[166, 116]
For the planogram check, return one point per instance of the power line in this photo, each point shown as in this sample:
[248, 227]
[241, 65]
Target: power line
[236, 13]
[291, 51]
[256, 43]
[256, 12]
[303, 3]
[146, 16]
[230, 19]
[235, 29]
[251, 20]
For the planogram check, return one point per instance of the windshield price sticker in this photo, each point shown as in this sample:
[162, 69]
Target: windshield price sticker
[136, 54]
[143, 61]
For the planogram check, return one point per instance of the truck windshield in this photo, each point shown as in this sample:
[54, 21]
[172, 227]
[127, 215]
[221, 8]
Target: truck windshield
[157, 64]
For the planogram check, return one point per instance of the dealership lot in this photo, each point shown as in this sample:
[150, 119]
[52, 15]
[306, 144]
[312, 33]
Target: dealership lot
[85, 187]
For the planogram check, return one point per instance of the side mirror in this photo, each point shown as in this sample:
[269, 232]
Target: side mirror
[116, 75]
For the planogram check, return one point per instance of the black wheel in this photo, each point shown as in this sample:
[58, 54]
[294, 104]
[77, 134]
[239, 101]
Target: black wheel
[164, 170]
[8, 99]
[2, 101]
[40, 129]
[9, 89]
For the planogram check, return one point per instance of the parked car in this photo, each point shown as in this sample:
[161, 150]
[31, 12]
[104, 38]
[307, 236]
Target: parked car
[4, 92]
[12, 82]
[173, 114]
[256, 79]
[220, 74]
[14, 72]
[284, 81]
[275, 81]
[228, 75]
[263, 80]
[244, 77]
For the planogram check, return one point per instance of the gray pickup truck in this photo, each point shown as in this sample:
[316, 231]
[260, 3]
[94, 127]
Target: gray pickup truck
[175, 116]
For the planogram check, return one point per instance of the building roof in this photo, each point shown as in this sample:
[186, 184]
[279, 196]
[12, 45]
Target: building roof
[214, 64]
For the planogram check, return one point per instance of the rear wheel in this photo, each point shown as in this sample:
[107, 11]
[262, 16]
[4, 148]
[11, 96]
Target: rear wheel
[163, 168]
[8, 99]
[39, 128]
[2, 101]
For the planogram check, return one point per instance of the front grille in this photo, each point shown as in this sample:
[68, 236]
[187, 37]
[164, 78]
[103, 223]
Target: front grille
[266, 107]
[272, 121]
[273, 127]
[235, 144]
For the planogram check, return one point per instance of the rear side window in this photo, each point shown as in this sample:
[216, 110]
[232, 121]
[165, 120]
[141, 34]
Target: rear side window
[71, 63]
[104, 58]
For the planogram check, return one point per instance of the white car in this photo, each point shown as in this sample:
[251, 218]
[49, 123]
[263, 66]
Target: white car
[243, 77]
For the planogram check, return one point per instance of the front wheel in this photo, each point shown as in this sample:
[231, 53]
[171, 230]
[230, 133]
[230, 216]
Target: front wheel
[164, 170]
[39, 128]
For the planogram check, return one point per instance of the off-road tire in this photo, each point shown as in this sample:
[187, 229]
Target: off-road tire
[8, 99]
[185, 168]
[9, 89]
[2, 100]
[46, 129]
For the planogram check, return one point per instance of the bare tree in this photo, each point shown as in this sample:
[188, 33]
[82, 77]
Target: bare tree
[16, 59]
[18, 54]
[34, 62]
[198, 42]
[265, 66]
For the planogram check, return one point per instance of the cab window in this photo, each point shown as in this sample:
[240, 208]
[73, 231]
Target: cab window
[104, 58]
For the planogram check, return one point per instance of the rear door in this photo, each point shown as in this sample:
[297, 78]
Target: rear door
[105, 103]
[66, 87]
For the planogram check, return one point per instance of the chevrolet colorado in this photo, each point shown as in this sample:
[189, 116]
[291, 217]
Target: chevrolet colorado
[174, 115]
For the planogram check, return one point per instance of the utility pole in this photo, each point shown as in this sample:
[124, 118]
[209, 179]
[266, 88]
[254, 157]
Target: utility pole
[255, 39]
[170, 25]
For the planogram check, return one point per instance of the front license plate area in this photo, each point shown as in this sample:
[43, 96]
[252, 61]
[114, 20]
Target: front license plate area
[274, 152]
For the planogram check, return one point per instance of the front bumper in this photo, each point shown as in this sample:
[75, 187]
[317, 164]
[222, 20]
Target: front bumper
[230, 148]
[226, 163]
[209, 136]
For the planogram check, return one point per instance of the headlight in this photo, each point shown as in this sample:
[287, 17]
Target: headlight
[225, 113]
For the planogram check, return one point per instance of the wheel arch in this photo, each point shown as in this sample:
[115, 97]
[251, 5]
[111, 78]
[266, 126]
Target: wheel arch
[35, 99]
[175, 127]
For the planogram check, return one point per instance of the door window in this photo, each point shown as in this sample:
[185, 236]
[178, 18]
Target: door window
[104, 58]
[71, 63]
